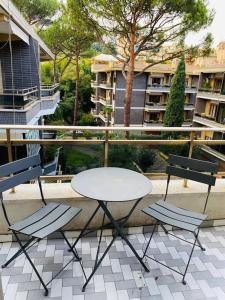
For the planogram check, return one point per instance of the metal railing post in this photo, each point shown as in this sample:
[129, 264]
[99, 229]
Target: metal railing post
[106, 148]
[9, 148]
[192, 134]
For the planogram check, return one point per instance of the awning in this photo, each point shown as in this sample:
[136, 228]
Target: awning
[7, 27]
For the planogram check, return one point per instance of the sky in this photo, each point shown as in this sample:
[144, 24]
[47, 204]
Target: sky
[217, 28]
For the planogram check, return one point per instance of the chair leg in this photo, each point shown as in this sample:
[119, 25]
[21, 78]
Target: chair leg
[18, 253]
[164, 228]
[73, 250]
[32, 264]
[70, 246]
[146, 249]
[199, 243]
[189, 259]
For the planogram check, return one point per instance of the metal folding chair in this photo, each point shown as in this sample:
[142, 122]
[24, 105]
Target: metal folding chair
[167, 213]
[48, 219]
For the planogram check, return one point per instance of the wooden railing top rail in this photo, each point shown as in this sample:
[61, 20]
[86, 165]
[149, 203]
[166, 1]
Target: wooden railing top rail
[114, 128]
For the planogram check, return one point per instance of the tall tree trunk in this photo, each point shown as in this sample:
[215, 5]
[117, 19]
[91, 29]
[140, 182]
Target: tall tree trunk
[129, 83]
[77, 96]
[54, 69]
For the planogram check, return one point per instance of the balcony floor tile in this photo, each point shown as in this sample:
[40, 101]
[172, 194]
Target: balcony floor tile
[120, 277]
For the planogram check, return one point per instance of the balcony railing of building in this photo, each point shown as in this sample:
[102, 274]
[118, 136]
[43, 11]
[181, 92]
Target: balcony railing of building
[18, 98]
[49, 90]
[210, 95]
[94, 111]
[210, 90]
[105, 101]
[152, 106]
[105, 84]
[94, 99]
[94, 83]
[166, 88]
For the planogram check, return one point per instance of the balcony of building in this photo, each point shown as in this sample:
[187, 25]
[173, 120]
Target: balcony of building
[94, 99]
[25, 106]
[18, 98]
[50, 97]
[151, 106]
[157, 88]
[106, 101]
[94, 112]
[207, 121]
[94, 83]
[210, 94]
[120, 277]
[105, 85]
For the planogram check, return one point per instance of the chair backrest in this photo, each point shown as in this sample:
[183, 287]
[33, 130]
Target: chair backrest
[19, 171]
[192, 169]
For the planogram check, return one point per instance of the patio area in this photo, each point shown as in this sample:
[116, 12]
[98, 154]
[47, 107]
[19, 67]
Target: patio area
[120, 276]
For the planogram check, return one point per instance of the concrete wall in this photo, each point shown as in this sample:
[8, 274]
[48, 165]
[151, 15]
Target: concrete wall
[138, 98]
[26, 200]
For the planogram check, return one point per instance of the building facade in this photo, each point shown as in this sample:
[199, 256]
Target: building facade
[149, 96]
[23, 99]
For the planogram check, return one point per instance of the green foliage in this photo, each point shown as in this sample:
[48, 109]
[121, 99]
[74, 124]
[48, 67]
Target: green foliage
[74, 161]
[86, 120]
[49, 153]
[145, 158]
[37, 10]
[124, 156]
[46, 73]
[181, 150]
[174, 115]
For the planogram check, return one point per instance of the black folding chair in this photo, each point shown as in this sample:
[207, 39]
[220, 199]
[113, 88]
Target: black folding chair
[167, 213]
[48, 219]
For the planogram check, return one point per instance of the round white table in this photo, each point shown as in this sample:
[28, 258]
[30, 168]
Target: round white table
[111, 185]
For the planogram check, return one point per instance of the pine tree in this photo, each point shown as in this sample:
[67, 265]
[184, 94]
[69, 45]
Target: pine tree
[174, 115]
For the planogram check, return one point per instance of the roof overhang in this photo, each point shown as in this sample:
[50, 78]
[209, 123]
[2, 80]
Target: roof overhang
[21, 25]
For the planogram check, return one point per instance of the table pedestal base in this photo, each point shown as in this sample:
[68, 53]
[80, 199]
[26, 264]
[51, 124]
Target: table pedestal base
[118, 225]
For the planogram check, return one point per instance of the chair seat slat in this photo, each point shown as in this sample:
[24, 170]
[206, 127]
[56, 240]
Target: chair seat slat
[59, 223]
[35, 217]
[186, 219]
[48, 219]
[167, 220]
[181, 211]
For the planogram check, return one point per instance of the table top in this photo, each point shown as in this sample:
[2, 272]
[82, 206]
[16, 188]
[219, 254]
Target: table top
[111, 184]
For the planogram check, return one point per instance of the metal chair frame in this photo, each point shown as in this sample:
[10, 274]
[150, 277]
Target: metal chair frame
[189, 169]
[22, 171]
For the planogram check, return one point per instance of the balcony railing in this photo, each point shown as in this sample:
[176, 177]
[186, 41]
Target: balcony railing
[18, 98]
[94, 83]
[105, 101]
[191, 140]
[49, 90]
[162, 106]
[94, 99]
[166, 88]
[210, 90]
[210, 95]
[105, 84]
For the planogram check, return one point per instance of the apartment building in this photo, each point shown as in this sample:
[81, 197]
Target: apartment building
[149, 96]
[23, 99]
[210, 103]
